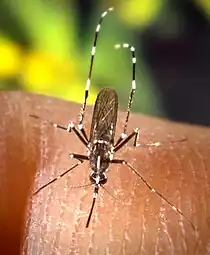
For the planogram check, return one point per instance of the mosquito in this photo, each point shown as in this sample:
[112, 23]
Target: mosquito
[100, 143]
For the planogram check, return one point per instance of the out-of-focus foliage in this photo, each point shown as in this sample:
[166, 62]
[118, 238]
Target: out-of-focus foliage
[140, 13]
[47, 56]
[49, 63]
[205, 6]
[10, 58]
[41, 49]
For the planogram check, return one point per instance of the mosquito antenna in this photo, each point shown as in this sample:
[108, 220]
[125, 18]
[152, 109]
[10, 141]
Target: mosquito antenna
[133, 85]
[87, 87]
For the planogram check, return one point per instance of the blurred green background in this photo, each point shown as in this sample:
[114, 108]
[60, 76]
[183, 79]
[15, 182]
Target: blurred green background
[45, 48]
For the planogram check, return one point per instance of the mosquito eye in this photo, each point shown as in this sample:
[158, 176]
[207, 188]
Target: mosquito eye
[103, 178]
[93, 177]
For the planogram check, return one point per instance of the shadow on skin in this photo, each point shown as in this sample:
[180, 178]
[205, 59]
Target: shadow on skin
[53, 221]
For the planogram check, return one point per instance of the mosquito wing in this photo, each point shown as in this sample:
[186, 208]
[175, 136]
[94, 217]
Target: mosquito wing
[104, 116]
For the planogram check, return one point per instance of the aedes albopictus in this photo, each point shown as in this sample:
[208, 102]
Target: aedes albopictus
[100, 144]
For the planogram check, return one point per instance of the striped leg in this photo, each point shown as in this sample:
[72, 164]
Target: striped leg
[135, 134]
[121, 161]
[126, 139]
[87, 87]
[55, 179]
[133, 87]
[69, 128]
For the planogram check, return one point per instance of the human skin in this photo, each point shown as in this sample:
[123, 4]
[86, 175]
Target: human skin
[135, 221]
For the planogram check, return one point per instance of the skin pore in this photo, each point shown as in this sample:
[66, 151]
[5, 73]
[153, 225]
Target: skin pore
[128, 218]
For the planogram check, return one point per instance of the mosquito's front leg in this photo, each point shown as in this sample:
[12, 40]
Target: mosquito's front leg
[125, 139]
[82, 130]
[79, 133]
[79, 157]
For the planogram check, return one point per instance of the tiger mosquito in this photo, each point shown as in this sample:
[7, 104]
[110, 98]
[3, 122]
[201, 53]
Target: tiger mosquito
[100, 144]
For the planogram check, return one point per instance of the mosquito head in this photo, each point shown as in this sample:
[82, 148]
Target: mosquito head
[98, 178]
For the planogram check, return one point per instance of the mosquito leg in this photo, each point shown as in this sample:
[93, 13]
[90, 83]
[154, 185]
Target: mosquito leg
[79, 156]
[133, 85]
[82, 130]
[123, 162]
[57, 178]
[102, 186]
[87, 87]
[157, 144]
[69, 128]
[78, 134]
[50, 123]
[120, 139]
[125, 139]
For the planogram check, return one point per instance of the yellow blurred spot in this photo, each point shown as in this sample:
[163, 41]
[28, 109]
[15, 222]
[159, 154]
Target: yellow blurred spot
[204, 5]
[39, 71]
[44, 73]
[140, 12]
[10, 59]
